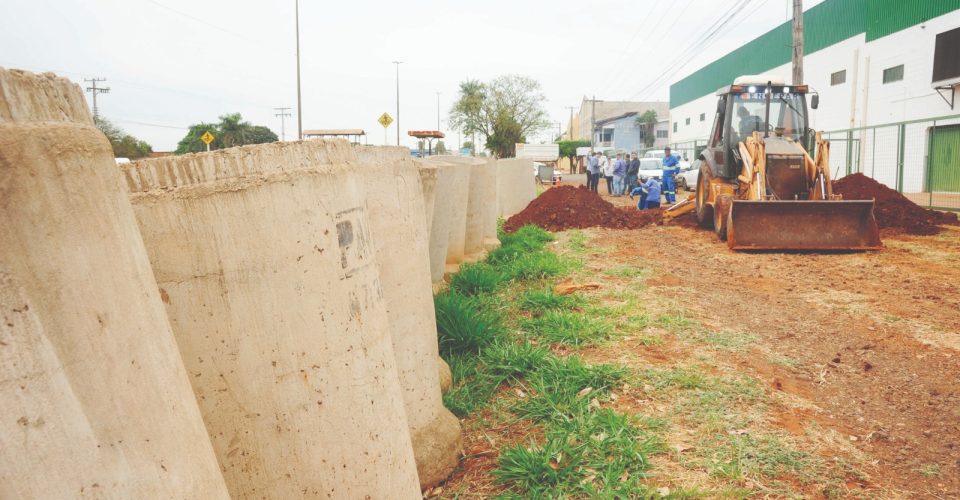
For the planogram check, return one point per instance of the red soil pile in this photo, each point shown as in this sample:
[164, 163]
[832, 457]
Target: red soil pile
[568, 207]
[892, 209]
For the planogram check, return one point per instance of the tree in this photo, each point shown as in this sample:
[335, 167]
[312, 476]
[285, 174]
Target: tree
[568, 149]
[648, 122]
[229, 132]
[441, 148]
[124, 145]
[468, 145]
[504, 111]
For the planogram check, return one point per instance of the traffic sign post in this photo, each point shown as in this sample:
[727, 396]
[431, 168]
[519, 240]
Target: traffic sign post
[385, 120]
[207, 138]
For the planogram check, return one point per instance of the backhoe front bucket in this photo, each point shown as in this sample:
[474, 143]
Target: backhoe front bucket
[803, 225]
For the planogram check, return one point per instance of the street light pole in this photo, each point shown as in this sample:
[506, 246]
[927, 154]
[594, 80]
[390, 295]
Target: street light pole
[398, 63]
[438, 111]
[299, 101]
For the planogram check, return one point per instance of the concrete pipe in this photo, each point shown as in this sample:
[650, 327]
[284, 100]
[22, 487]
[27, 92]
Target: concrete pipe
[95, 398]
[428, 182]
[265, 260]
[516, 186]
[395, 208]
[489, 180]
[473, 247]
[449, 217]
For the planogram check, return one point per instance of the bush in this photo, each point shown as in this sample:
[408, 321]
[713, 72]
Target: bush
[462, 327]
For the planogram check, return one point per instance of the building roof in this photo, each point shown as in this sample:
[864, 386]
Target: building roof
[612, 109]
[823, 25]
[426, 134]
[618, 117]
[333, 132]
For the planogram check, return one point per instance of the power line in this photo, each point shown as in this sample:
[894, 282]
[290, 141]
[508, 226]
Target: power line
[692, 51]
[207, 23]
[130, 122]
[282, 113]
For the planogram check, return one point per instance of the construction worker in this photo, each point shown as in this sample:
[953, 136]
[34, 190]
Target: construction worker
[593, 171]
[670, 168]
[649, 191]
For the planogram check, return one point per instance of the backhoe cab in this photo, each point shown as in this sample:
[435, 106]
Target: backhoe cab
[760, 189]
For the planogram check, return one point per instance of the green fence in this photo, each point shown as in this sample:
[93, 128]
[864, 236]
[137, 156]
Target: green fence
[919, 158]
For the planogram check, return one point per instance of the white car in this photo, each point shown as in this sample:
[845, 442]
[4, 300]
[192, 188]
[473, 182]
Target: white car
[686, 179]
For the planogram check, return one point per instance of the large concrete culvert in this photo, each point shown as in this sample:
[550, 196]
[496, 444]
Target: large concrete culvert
[265, 259]
[516, 186]
[471, 248]
[395, 202]
[95, 398]
[449, 214]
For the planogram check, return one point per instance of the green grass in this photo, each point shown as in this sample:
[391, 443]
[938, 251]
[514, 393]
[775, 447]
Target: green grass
[462, 326]
[568, 328]
[474, 279]
[577, 242]
[597, 454]
[740, 456]
[509, 361]
[562, 388]
[538, 301]
[929, 470]
[537, 265]
[728, 339]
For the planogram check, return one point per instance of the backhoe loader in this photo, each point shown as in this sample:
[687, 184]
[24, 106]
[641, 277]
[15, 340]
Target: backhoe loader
[760, 189]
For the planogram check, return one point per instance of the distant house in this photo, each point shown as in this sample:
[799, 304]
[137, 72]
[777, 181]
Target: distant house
[619, 117]
[623, 134]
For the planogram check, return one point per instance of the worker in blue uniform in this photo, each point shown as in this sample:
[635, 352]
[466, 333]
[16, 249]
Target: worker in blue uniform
[671, 167]
[649, 191]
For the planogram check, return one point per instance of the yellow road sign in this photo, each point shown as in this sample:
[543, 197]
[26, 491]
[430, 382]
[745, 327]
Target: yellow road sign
[207, 137]
[385, 120]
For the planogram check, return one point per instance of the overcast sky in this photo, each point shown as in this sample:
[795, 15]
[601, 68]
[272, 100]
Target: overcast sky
[171, 63]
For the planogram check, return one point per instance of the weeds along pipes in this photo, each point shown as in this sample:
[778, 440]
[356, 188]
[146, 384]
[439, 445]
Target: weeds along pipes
[394, 202]
[266, 259]
[95, 398]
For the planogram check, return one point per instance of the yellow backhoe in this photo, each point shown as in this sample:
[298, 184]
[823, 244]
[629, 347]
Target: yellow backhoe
[760, 189]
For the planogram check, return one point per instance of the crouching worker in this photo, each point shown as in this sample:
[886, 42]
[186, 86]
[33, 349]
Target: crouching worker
[649, 191]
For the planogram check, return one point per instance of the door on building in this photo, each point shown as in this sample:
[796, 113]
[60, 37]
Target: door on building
[945, 159]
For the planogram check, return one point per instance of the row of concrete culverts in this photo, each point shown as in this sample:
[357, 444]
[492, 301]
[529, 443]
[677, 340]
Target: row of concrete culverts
[252, 322]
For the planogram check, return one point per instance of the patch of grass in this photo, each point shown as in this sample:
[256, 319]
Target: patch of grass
[785, 361]
[627, 271]
[728, 339]
[539, 300]
[513, 361]
[599, 454]
[577, 242]
[562, 388]
[476, 278]
[537, 265]
[568, 328]
[689, 377]
[675, 322]
[739, 456]
[463, 327]
[929, 470]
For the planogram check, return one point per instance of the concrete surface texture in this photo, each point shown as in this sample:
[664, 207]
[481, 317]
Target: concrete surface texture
[448, 229]
[477, 199]
[489, 181]
[516, 186]
[264, 257]
[428, 182]
[395, 208]
[95, 398]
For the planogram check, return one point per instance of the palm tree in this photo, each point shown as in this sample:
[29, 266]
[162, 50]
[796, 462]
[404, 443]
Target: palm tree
[233, 130]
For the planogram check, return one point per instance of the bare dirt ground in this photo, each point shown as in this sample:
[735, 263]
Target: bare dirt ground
[857, 354]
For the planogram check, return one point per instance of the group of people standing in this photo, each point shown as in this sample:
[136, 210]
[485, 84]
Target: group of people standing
[622, 176]
[620, 173]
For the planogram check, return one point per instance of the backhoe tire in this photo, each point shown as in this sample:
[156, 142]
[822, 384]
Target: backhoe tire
[703, 210]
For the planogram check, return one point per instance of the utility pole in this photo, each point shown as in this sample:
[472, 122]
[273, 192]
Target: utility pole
[282, 113]
[797, 42]
[438, 111]
[398, 63]
[94, 90]
[593, 120]
[570, 135]
[299, 101]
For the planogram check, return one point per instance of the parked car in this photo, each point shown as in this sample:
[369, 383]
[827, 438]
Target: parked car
[686, 179]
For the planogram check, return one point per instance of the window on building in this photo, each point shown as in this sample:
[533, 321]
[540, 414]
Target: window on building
[661, 134]
[606, 135]
[674, 126]
[687, 122]
[894, 74]
[703, 116]
[838, 77]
